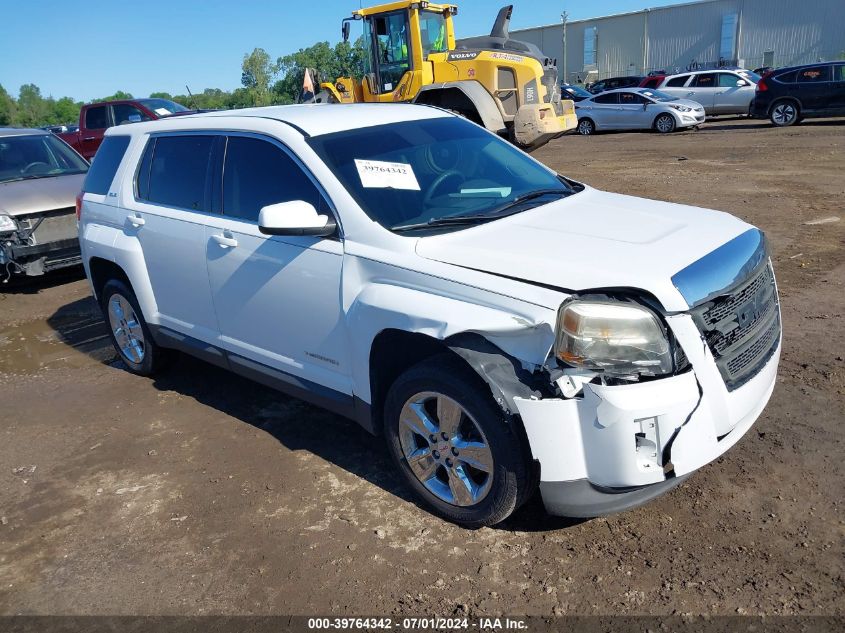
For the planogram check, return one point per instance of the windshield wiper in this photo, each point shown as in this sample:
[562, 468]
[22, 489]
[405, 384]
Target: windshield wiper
[479, 218]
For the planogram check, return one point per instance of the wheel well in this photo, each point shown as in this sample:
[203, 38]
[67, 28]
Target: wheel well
[451, 99]
[586, 118]
[654, 123]
[102, 270]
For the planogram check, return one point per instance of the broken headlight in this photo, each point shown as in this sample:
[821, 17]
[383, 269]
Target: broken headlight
[7, 224]
[612, 337]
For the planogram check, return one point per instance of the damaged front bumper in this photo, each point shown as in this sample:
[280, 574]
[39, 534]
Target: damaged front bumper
[615, 447]
[41, 243]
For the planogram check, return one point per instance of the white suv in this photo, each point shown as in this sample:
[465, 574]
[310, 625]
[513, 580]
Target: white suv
[501, 325]
[719, 91]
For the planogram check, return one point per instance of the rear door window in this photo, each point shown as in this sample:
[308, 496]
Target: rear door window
[179, 172]
[631, 98]
[612, 97]
[97, 118]
[677, 82]
[814, 74]
[257, 173]
[106, 161]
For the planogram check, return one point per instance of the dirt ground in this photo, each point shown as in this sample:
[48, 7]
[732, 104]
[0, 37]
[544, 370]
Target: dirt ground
[199, 492]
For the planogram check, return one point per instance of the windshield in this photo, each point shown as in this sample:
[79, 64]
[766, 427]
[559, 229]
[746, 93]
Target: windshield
[37, 156]
[750, 75]
[576, 91]
[419, 172]
[162, 107]
[657, 95]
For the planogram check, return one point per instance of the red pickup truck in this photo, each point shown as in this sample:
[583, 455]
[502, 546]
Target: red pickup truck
[96, 118]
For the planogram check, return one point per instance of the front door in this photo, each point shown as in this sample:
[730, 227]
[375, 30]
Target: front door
[814, 87]
[837, 91]
[390, 49]
[733, 95]
[277, 299]
[633, 111]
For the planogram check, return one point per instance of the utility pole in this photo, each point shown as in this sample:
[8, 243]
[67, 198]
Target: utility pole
[563, 18]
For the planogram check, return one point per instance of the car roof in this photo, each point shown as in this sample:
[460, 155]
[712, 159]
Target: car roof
[778, 71]
[314, 119]
[709, 70]
[20, 131]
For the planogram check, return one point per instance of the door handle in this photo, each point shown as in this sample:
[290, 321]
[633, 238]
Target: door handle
[225, 241]
[136, 220]
[689, 94]
[89, 138]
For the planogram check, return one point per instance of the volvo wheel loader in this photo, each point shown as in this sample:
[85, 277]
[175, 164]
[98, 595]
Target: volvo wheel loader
[509, 87]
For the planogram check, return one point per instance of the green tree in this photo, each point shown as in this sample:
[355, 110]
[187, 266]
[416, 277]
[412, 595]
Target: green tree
[8, 108]
[257, 71]
[65, 110]
[342, 60]
[161, 95]
[117, 96]
[33, 110]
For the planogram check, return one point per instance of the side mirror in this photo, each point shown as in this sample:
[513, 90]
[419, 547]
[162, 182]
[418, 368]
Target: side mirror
[645, 106]
[741, 82]
[344, 30]
[294, 218]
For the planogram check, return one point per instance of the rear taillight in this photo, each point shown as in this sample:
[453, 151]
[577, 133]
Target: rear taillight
[762, 86]
[79, 205]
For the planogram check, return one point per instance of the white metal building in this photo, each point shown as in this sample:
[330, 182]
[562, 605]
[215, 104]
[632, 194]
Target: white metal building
[748, 33]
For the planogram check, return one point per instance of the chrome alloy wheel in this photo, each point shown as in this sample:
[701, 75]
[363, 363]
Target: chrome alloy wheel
[665, 123]
[784, 114]
[126, 328]
[445, 449]
[585, 127]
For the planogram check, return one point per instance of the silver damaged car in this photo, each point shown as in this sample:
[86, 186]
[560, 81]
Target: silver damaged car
[40, 178]
[637, 109]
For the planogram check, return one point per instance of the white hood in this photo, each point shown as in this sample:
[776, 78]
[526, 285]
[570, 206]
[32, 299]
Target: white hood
[592, 240]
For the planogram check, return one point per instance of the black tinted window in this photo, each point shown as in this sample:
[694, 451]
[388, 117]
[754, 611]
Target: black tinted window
[126, 113]
[179, 172]
[612, 97]
[631, 98]
[705, 81]
[814, 74]
[105, 164]
[839, 73]
[786, 78]
[96, 118]
[677, 82]
[257, 173]
[143, 177]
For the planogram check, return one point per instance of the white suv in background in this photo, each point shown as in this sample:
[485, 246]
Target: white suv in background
[499, 324]
[719, 91]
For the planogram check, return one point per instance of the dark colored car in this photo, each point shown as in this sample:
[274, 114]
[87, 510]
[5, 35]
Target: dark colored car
[96, 118]
[788, 95]
[653, 80]
[573, 92]
[612, 83]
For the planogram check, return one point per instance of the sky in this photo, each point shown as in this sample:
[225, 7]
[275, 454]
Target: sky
[92, 48]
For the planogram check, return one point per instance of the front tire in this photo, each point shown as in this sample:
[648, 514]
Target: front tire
[586, 127]
[784, 113]
[665, 123]
[128, 330]
[453, 444]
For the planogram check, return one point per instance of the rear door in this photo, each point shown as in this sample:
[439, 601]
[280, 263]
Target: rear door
[606, 112]
[814, 86]
[96, 121]
[171, 207]
[702, 89]
[676, 86]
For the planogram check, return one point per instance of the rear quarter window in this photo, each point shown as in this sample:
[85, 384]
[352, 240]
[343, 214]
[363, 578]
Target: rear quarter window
[106, 161]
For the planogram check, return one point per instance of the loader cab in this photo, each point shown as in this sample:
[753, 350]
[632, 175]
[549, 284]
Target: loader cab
[399, 38]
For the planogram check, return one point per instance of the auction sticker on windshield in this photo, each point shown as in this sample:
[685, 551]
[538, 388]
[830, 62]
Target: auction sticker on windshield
[382, 175]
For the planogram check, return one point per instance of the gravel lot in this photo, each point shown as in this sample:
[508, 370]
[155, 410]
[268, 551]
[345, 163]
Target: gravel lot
[200, 492]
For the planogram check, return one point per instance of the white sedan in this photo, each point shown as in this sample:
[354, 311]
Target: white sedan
[637, 109]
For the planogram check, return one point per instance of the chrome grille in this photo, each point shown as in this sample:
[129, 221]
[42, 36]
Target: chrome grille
[742, 326]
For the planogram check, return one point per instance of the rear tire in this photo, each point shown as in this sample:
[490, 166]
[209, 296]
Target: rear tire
[586, 127]
[453, 444]
[665, 124]
[784, 113]
[129, 332]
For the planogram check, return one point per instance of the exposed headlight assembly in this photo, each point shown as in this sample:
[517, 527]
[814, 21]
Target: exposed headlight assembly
[7, 224]
[612, 337]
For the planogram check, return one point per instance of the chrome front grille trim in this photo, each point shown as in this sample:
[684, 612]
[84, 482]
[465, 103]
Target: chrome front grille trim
[742, 326]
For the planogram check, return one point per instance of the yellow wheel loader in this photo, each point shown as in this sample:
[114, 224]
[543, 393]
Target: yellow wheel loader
[509, 87]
